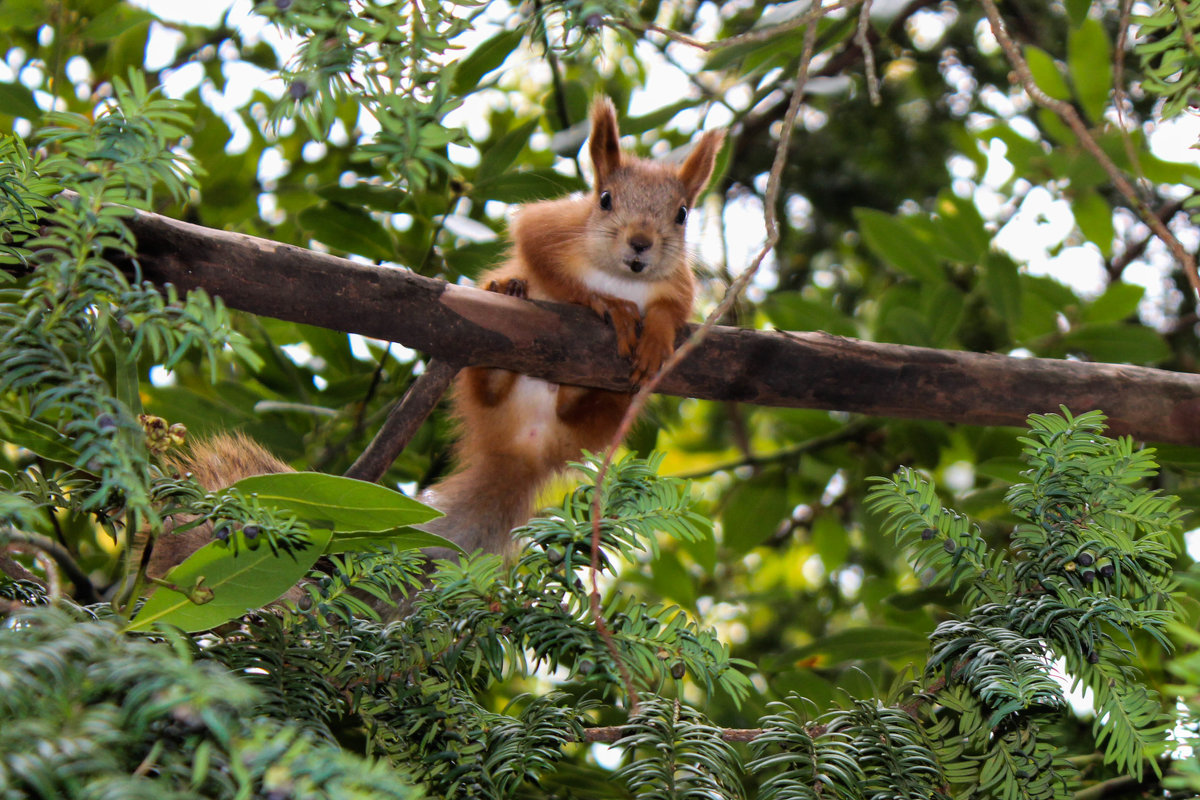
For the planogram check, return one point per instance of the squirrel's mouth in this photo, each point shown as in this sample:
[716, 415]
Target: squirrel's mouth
[637, 265]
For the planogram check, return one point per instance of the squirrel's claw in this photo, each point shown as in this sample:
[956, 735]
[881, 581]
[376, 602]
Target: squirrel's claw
[513, 287]
[625, 318]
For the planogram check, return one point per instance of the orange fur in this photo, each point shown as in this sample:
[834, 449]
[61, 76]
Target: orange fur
[214, 463]
[619, 251]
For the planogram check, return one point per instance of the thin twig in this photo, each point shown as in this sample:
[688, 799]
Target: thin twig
[845, 434]
[642, 397]
[864, 44]
[1070, 116]
[1119, 93]
[749, 37]
[403, 421]
[84, 590]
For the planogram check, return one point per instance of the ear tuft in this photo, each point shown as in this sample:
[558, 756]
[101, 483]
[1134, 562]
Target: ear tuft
[605, 145]
[698, 167]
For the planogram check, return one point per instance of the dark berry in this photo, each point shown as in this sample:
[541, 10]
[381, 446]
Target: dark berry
[251, 532]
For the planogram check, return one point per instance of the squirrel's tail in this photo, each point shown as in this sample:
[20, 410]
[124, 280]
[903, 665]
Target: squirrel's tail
[483, 501]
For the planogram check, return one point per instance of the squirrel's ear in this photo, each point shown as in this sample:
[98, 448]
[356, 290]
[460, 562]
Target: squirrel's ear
[699, 164]
[605, 145]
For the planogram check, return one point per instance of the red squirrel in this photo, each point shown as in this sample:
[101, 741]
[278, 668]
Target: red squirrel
[619, 251]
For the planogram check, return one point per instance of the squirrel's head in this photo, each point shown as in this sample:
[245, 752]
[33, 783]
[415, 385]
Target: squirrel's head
[639, 207]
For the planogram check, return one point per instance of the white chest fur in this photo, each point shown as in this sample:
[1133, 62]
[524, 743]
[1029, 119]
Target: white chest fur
[635, 291]
[537, 400]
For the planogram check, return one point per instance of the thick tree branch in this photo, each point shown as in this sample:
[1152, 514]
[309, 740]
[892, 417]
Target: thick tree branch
[568, 344]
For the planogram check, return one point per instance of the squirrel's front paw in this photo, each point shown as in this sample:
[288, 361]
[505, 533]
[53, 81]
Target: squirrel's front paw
[625, 318]
[513, 287]
[652, 350]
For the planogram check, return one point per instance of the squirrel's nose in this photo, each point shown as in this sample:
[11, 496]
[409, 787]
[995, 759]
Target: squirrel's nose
[640, 243]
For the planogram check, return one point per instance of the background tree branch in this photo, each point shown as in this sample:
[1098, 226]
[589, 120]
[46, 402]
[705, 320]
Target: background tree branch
[568, 344]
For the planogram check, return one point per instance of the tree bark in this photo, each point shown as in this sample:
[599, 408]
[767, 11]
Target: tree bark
[569, 344]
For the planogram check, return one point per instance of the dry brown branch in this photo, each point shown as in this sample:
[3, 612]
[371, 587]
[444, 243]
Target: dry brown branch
[569, 344]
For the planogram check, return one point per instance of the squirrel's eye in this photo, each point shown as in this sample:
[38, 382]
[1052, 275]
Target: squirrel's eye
[681, 216]
[606, 201]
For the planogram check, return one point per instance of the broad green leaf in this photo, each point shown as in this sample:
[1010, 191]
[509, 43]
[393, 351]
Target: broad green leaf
[671, 580]
[114, 21]
[632, 126]
[1046, 74]
[341, 504]
[1093, 215]
[17, 101]
[1077, 10]
[790, 311]
[348, 229]
[897, 243]
[754, 511]
[382, 198]
[399, 539]
[1042, 299]
[498, 157]
[830, 540]
[1001, 280]
[527, 185]
[1119, 344]
[37, 437]
[238, 583]
[867, 642]
[959, 227]
[485, 58]
[1089, 59]
[472, 258]
[1118, 303]
[943, 310]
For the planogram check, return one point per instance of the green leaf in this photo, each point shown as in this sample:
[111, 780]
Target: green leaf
[527, 186]
[670, 579]
[238, 583]
[960, 229]
[1077, 10]
[37, 437]
[867, 642]
[334, 502]
[472, 258]
[1118, 303]
[830, 540]
[114, 21]
[790, 311]
[348, 229]
[898, 243]
[504, 151]
[1046, 74]
[17, 101]
[1001, 280]
[1093, 215]
[398, 539]
[1089, 60]
[485, 58]
[754, 511]
[1120, 344]
[632, 126]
